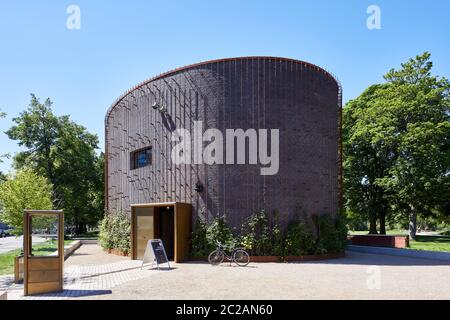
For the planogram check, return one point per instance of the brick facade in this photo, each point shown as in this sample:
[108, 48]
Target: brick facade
[299, 99]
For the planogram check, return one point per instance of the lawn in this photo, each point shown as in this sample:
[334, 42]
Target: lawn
[42, 249]
[87, 235]
[396, 232]
[429, 242]
[432, 243]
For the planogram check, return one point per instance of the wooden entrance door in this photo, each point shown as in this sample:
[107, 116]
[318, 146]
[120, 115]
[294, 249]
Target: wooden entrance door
[151, 221]
[144, 226]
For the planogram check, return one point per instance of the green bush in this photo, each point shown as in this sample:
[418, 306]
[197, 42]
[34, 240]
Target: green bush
[278, 238]
[115, 232]
[260, 237]
[299, 239]
[200, 245]
[256, 235]
[331, 234]
[204, 236]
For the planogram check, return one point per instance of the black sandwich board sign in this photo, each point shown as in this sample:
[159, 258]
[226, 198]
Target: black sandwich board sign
[155, 252]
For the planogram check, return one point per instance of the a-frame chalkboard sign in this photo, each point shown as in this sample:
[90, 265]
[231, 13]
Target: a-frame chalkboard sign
[155, 252]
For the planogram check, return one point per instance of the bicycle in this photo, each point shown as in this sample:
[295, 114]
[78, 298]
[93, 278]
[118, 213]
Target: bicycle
[238, 255]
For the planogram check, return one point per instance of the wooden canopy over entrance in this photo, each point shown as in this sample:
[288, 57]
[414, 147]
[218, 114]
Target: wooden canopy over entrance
[169, 221]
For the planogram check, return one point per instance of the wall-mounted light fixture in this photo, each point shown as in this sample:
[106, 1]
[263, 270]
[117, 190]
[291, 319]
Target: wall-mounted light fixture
[159, 107]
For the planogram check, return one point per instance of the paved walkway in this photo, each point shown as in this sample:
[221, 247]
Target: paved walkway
[13, 243]
[87, 273]
[92, 274]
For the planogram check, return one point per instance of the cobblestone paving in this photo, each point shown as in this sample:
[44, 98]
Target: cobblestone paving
[84, 281]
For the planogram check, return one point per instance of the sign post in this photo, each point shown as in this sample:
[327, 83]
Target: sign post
[155, 252]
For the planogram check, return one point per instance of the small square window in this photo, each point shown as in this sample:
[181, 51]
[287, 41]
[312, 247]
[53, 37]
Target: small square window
[141, 158]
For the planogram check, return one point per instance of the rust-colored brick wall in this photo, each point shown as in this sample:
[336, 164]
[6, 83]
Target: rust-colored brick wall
[299, 99]
[380, 241]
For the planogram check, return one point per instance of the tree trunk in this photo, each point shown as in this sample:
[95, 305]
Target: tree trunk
[80, 228]
[372, 223]
[412, 223]
[383, 221]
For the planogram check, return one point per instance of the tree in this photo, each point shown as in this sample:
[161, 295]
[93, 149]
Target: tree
[65, 153]
[397, 144]
[24, 190]
[418, 105]
[367, 157]
[2, 176]
[37, 130]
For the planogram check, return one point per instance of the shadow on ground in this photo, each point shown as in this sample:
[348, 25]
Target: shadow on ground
[354, 258]
[68, 293]
[370, 259]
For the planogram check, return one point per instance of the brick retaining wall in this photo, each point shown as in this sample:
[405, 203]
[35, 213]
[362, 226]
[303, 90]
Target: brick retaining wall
[375, 240]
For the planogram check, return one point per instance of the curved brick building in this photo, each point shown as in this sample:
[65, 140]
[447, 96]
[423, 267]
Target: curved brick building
[298, 98]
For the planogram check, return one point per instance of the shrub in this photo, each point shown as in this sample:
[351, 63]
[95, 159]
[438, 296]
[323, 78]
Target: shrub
[104, 233]
[218, 230]
[278, 239]
[200, 245]
[256, 235]
[260, 237]
[331, 235]
[299, 239]
[115, 232]
[204, 236]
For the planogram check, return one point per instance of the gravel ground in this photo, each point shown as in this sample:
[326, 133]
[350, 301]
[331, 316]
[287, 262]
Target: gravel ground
[352, 277]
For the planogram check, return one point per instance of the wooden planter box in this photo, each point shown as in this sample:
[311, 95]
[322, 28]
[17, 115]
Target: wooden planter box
[18, 269]
[266, 259]
[315, 257]
[116, 252]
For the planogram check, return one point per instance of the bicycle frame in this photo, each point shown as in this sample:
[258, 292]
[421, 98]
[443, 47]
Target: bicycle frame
[221, 247]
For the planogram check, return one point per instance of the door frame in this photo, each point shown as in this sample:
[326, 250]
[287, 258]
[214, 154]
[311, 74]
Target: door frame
[182, 228]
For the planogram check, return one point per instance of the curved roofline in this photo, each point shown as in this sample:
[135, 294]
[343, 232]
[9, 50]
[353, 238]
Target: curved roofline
[173, 71]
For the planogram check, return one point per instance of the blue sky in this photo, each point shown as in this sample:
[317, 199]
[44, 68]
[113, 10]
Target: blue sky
[121, 43]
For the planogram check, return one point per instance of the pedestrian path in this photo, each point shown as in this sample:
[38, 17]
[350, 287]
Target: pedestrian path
[85, 281]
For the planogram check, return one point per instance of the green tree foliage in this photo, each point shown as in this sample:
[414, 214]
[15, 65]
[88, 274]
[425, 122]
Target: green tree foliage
[2, 176]
[65, 153]
[367, 156]
[397, 145]
[21, 191]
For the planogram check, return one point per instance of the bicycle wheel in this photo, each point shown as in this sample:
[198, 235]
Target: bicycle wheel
[216, 257]
[241, 257]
